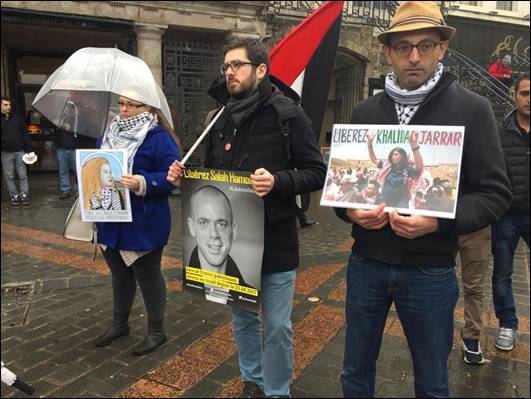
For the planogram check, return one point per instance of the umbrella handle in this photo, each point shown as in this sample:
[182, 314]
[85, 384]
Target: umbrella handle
[10, 378]
[27, 389]
[205, 132]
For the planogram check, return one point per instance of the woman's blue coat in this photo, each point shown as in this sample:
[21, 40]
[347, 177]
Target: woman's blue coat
[151, 223]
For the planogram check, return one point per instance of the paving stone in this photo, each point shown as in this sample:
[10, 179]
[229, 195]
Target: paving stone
[70, 307]
[206, 388]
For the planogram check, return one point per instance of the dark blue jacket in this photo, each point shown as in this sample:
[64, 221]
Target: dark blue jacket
[151, 223]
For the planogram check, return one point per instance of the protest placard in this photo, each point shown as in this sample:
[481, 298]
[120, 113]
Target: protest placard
[223, 237]
[413, 169]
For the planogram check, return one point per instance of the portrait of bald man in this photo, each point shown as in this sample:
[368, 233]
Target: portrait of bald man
[211, 223]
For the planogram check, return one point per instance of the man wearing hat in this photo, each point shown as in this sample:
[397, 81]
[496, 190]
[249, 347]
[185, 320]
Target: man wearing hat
[409, 260]
[16, 151]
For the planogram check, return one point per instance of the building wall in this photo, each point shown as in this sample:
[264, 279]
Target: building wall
[485, 32]
[153, 19]
[488, 11]
[161, 28]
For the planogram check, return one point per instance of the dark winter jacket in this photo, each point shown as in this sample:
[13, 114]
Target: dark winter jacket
[258, 143]
[515, 144]
[65, 140]
[151, 223]
[15, 138]
[484, 192]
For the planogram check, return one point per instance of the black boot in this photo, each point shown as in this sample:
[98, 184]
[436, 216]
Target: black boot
[119, 328]
[153, 340]
[304, 221]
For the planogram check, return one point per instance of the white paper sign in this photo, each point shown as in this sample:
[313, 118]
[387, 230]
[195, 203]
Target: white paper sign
[103, 198]
[411, 168]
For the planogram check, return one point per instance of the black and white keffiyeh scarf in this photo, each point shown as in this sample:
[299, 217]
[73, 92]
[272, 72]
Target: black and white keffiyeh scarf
[128, 134]
[408, 101]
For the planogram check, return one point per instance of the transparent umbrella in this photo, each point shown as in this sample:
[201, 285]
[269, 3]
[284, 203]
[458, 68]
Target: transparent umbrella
[82, 94]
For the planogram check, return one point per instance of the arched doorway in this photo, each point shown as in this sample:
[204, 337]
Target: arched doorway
[346, 90]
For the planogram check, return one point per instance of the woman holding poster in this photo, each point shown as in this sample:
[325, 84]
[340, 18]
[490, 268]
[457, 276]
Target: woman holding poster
[133, 250]
[397, 172]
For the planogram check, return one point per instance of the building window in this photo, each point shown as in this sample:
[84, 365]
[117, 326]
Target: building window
[504, 5]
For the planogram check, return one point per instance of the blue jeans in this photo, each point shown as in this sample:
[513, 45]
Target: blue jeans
[267, 359]
[11, 162]
[67, 161]
[505, 235]
[425, 299]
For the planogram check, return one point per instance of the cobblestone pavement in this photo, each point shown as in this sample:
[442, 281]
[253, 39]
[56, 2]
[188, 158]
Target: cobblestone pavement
[56, 300]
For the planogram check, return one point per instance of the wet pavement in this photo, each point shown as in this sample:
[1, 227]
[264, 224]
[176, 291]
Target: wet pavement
[56, 300]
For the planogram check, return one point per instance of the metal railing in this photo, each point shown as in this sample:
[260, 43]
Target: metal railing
[370, 13]
[520, 63]
[477, 79]
[379, 13]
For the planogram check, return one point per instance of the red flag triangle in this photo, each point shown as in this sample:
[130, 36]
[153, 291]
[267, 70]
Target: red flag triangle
[293, 53]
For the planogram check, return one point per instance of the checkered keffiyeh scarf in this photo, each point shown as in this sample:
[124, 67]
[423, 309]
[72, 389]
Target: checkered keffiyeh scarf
[129, 134]
[407, 102]
[110, 198]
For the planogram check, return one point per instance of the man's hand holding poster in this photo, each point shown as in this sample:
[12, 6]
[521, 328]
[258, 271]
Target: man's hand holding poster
[223, 236]
[413, 169]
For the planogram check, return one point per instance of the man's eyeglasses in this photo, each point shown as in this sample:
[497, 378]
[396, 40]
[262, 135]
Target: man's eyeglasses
[123, 104]
[235, 65]
[425, 47]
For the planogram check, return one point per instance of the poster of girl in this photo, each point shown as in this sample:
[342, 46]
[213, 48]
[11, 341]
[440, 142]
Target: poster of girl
[103, 197]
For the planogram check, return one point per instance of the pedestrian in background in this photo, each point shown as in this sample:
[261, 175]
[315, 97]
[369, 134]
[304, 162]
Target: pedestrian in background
[501, 70]
[303, 203]
[474, 250]
[409, 260]
[506, 233]
[15, 143]
[66, 142]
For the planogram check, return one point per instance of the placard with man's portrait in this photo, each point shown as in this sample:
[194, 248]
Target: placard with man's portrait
[223, 237]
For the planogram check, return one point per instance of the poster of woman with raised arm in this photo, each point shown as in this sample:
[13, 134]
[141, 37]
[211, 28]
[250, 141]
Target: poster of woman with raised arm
[413, 169]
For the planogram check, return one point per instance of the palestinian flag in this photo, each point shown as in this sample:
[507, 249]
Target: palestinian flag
[305, 59]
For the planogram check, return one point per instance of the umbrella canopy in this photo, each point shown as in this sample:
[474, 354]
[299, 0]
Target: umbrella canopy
[82, 94]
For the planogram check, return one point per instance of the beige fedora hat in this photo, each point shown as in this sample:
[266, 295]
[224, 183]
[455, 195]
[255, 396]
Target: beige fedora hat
[417, 15]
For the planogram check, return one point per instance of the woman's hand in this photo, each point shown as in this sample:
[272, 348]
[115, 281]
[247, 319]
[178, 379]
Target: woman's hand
[131, 182]
[413, 139]
[175, 173]
[370, 139]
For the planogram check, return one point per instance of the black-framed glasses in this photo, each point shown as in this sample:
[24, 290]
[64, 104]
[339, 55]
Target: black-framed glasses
[235, 65]
[425, 47]
[123, 104]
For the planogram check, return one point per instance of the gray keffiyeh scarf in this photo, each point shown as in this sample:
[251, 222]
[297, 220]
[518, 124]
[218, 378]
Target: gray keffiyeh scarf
[407, 102]
[128, 134]
[239, 110]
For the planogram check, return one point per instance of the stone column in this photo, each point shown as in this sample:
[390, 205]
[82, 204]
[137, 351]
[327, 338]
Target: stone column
[149, 47]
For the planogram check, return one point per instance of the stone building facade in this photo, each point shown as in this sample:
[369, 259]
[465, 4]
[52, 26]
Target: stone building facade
[180, 41]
